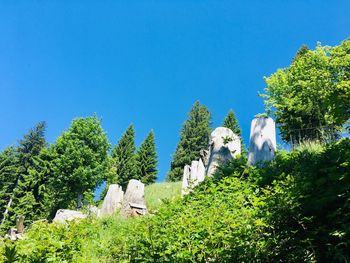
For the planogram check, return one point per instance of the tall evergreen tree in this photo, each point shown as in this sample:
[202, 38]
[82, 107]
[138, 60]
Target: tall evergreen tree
[8, 181]
[231, 122]
[80, 160]
[146, 160]
[194, 137]
[26, 198]
[123, 157]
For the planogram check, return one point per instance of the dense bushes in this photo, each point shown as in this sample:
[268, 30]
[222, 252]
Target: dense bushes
[313, 184]
[294, 209]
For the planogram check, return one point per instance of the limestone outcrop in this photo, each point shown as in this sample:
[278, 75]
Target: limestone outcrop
[16, 233]
[93, 210]
[112, 201]
[262, 143]
[134, 199]
[193, 175]
[185, 180]
[224, 145]
[64, 215]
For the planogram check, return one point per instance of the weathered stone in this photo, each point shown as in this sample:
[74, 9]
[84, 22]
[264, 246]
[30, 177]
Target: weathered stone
[20, 224]
[113, 200]
[204, 154]
[11, 234]
[197, 172]
[64, 215]
[134, 199]
[16, 233]
[193, 175]
[262, 144]
[185, 180]
[93, 210]
[224, 145]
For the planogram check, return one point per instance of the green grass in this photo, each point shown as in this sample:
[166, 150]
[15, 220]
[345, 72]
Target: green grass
[156, 194]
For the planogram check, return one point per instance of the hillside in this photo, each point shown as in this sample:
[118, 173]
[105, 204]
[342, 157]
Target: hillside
[295, 209]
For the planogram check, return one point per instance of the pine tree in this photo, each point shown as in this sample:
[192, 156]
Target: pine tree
[25, 198]
[8, 181]
[231, 122]
[194, 137]
[123, 157]
[146, 160]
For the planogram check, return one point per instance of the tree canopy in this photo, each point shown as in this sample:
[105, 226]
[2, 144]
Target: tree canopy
[310, 98]
[79, 161]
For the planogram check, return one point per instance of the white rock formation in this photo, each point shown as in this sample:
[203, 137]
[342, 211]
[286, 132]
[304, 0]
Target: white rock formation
[20, 224]
[224, 145]
[134, 199]
[185, 180]
[193, 175]
[64, 215]
[16, 233]
[93, 210]
[112, 201]
[262, 144]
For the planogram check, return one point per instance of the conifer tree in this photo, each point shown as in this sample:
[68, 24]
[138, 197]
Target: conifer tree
[25, 198]
[146, 160]
[231, 122]
[194, 137]
[123, 158]
[8, 181]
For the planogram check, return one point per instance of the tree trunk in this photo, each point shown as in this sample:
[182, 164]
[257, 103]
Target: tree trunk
[6, 211]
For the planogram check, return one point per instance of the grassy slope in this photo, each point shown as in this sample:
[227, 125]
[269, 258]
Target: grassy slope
[156, 193]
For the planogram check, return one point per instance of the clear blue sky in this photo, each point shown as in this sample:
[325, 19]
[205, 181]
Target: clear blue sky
[147, 62]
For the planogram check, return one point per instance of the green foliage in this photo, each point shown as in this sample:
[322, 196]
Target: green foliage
[310, 98]
[24, 194]
[194, 137]
[80, 161]
[315, 182]
[146, 160]
[124, 159]
[217, 222]
[10, 254]
[301, 52]
[261, 115]
[231, 122]
[8, 180]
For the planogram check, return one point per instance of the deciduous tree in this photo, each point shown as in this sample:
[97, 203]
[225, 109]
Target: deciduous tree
[80, 161]
[310, 98]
